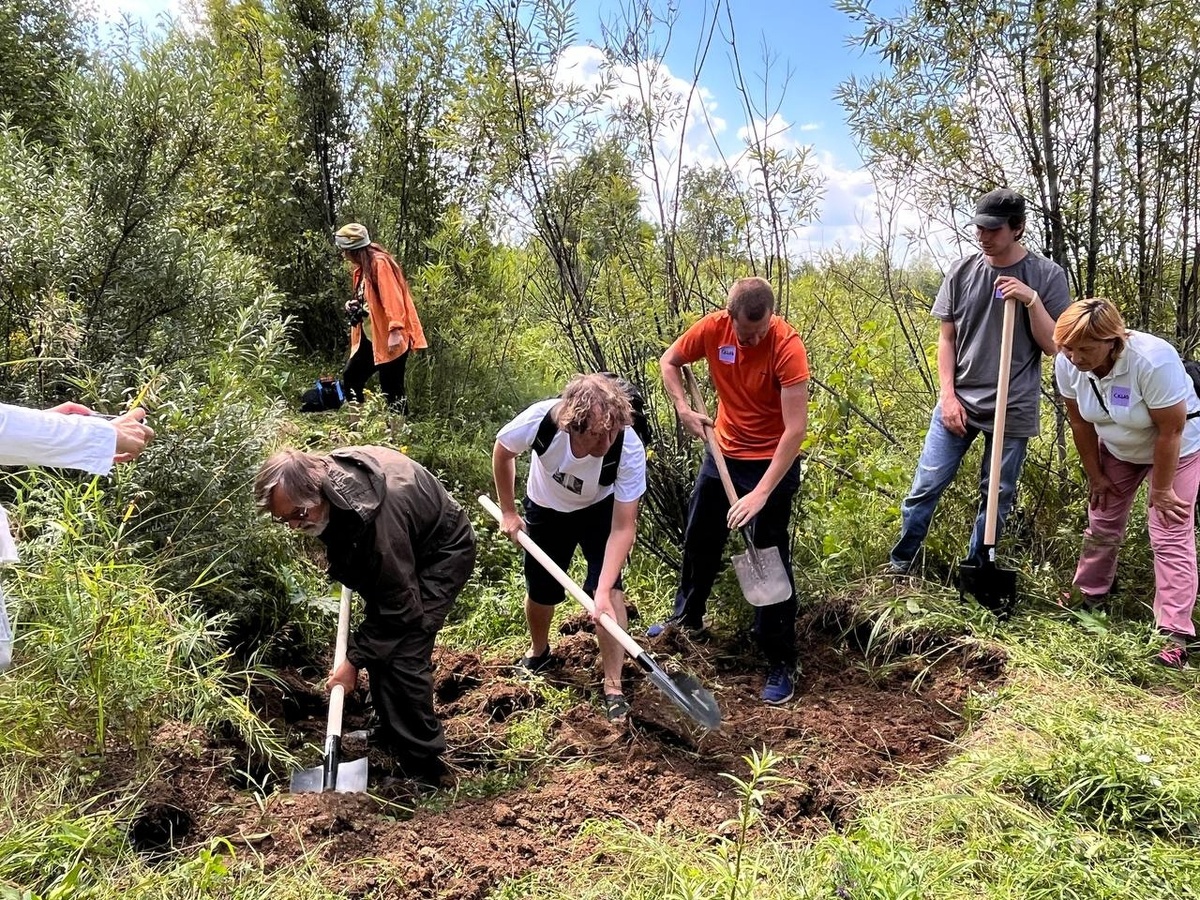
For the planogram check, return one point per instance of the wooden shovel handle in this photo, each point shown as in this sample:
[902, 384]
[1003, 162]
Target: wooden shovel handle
[609, 624]
[337, 696]
[993, 494]
[709, 437]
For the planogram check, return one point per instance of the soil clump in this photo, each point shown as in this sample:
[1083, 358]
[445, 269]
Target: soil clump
[528, 770]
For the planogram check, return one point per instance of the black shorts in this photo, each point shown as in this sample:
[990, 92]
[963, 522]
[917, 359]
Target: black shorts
[558, 534]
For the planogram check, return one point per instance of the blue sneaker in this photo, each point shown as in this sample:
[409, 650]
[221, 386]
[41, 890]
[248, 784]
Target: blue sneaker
[780, 685]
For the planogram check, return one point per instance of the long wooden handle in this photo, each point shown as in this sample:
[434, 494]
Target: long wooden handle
[710, 437]
[993, 494]
[337, 696]
[610, 625]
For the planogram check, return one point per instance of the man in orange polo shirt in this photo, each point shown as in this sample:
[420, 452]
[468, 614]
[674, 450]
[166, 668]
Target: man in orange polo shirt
[759, 367]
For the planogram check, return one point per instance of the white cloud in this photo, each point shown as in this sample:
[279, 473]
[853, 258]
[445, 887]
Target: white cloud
[580, 65]
[855, 212]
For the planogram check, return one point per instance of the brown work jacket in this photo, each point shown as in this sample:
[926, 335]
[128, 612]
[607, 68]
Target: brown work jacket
[398, 539]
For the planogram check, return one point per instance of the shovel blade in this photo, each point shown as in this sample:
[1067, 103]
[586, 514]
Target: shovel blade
[351, 778]
[761, 575]
[685, 691]
[994, 588]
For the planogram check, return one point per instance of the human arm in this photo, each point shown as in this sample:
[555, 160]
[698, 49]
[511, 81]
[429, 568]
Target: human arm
[794, 400]
[954, 417]
[71, 437]
[1087, 444]
[616, 551]
[1168, 422]
[393, 296]
[694, 422]
[1041, 323]
[504, 474]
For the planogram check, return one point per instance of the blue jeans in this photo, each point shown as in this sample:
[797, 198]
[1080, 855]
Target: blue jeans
[704, 545]
[940, 460]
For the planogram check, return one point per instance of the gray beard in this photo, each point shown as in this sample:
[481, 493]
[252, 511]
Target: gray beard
[316, 523]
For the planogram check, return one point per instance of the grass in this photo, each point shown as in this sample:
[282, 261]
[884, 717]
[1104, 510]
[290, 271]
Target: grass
[1077, 778]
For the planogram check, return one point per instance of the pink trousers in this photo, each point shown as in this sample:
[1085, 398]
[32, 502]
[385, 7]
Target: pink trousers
[1174, 546]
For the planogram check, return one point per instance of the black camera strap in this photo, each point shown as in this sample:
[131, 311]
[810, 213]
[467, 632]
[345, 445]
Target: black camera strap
[1096, 391]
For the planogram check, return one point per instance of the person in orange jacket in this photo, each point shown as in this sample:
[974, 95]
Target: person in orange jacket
[382, 297]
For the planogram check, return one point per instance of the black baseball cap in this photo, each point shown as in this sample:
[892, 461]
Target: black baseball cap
[997, 208]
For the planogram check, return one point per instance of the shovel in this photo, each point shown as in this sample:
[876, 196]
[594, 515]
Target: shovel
[333, 774]
[760, 571]
[993, 587]
[684, 690]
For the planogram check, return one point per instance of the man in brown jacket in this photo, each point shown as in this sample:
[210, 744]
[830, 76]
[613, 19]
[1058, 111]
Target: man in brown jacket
[393, 534]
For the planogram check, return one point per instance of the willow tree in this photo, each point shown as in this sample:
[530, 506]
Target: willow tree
[1088, 108]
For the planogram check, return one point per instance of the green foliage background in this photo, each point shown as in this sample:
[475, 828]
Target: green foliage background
[167, 201]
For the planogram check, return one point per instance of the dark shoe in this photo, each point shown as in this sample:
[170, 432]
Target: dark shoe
[399, 787]
[533, 665]
[616, 707]
[693, 630]
[780, 685]
[427, 771]
[897, 569]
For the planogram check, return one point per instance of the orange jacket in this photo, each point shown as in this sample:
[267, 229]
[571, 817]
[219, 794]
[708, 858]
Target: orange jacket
[390, 306]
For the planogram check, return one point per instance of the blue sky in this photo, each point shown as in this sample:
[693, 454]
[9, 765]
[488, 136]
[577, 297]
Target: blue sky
[807, 41]
[806, 38]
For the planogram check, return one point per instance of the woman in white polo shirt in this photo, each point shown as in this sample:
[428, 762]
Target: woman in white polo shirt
[1133, 412]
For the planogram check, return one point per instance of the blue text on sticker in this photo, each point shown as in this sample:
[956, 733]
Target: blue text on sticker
[1119, 395]
[727, 354]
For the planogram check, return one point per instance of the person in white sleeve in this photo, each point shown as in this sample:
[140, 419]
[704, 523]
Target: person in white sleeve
[586, 476]
[68, 436]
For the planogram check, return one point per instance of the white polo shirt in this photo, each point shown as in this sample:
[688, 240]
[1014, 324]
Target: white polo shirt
[1147, 375]
[562, 481]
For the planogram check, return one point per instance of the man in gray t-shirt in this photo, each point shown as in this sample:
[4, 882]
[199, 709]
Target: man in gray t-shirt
[970, 305]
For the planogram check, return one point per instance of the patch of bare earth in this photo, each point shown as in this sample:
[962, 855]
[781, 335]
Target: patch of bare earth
[850, 727]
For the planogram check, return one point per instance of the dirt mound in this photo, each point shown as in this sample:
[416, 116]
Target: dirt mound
[511, 808]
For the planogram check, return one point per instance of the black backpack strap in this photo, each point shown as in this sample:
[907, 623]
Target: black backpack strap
[545, 433]
[612, 461]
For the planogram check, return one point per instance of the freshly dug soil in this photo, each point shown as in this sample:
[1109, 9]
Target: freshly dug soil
[506, 812]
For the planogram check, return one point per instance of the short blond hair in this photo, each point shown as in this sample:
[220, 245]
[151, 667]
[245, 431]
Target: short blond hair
[1093, 319]
[751, 298]
[300, 475]
[591, 401]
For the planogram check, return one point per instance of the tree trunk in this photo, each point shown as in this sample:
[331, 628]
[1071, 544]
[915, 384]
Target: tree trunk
[1093, 245]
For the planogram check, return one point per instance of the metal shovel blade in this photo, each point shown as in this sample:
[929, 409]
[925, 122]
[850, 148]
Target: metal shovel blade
[761, 575]
[993, 587]
[685, 691]
[351, 778]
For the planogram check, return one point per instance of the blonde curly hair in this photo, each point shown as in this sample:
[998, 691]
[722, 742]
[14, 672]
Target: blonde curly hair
[593, 401]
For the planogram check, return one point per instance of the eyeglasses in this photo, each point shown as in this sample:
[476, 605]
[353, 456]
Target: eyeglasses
[299, 514]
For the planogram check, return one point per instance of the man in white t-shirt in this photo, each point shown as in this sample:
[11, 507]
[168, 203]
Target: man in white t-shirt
[586, 475]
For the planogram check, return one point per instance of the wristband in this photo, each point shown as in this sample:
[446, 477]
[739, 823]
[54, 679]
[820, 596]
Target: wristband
[1035, 299]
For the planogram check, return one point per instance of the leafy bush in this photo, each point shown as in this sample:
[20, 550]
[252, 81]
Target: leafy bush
[104, 652]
